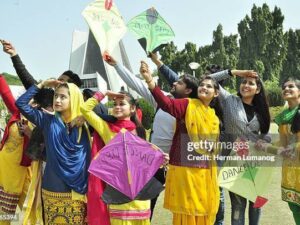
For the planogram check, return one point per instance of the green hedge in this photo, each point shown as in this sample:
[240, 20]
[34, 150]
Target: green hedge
[148, 113]
[147, 109]
[12, 79]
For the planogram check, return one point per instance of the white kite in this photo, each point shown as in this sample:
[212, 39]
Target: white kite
[106, 23]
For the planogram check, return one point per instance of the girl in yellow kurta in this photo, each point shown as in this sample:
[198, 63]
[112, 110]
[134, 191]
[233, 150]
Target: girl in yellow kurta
[192, 193]
[135, 212]
[289, 131]
[13, 162]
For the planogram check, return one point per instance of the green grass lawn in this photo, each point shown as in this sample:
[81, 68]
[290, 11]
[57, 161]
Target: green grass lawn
[275, 212]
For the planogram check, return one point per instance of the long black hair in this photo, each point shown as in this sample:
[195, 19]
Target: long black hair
[140, 130]
[261, 107]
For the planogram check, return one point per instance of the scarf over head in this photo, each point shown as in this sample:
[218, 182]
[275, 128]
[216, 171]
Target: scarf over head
[69, 149]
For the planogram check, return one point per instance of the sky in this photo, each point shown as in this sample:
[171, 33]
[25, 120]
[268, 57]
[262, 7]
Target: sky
[41, 31]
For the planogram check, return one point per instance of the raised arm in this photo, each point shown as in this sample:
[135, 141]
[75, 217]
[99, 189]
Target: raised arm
[219, 76]
[169, 74]
[131, 80]
[175, 107]
[7, 96]
[93, 119]
[135, 84]
[226, 74]
[33, 115]
[25, 77]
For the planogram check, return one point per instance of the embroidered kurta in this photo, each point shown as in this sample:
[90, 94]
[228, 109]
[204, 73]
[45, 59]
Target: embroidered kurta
[192, 193]
[290, 183]
[13, 161]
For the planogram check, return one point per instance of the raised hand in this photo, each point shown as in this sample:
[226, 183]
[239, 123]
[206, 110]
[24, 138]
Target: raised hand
[154, 59]
[244, 73]
[114, 95]
[145, 72]
[109, 59]
[8, 48]
[53, 83]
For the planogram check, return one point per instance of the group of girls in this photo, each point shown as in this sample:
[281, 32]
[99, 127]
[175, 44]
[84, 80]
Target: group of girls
[67, 194]
[191, 191]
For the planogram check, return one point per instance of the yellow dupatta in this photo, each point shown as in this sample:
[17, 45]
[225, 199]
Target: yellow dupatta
[76, 100]
[202, 125]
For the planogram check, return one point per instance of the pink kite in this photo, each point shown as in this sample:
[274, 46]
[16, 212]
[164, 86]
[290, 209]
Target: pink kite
[127, 163]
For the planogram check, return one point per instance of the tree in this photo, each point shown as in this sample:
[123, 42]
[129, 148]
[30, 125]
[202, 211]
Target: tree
[262, 45]
[204, 57]
[168, 53]
[218, 49]
[275, 52]
[11, 79]
[224, 52]
[231, 50]
[185, 57]
[168, 56]
[291, 64]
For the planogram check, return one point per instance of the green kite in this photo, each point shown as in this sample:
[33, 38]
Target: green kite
[152, 31]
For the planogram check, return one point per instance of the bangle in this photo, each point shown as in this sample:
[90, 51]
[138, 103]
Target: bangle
[99, 96]
[148, 82]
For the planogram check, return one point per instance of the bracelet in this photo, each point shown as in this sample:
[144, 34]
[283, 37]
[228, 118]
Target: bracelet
[99, 96]
[229, 72]
[148, 82]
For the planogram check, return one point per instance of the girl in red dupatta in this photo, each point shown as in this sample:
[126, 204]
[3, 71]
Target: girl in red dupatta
[135, 212]
[13, 161]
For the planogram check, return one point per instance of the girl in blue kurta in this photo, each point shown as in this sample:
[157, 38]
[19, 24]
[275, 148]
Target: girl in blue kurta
[64, 182]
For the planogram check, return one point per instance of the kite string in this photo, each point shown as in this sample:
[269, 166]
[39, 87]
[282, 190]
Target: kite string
[127, 160]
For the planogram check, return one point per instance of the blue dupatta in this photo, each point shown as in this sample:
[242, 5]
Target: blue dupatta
[69, 158]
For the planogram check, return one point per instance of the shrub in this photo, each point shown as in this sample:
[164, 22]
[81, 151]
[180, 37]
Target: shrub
[148, 113]
[273, 92]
